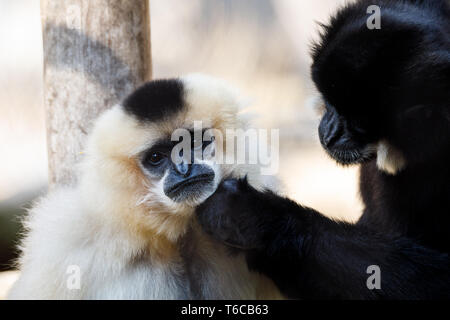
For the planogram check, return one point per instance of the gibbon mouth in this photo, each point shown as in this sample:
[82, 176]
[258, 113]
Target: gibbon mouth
[352, 156]
[190, 188]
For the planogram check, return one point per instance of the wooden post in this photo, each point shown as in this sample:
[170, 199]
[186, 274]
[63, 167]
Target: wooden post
[95, 53]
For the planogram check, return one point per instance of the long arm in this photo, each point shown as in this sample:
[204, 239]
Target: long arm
[310, 256]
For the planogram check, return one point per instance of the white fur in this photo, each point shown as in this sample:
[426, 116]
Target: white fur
[118, 230]
[389, 159]
[317, 104]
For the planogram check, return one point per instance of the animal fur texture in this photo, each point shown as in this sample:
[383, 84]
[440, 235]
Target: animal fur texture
[116, 226]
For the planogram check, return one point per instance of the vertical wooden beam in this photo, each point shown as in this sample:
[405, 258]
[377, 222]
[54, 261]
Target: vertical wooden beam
[95, 53]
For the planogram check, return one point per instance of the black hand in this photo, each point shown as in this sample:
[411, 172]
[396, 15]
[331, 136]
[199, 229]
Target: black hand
[310, 256]
[244, 217]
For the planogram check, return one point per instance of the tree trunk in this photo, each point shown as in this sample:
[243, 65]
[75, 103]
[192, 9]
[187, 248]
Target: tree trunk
[95, 53]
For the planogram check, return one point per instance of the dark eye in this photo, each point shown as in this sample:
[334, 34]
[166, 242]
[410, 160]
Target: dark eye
[154, 158]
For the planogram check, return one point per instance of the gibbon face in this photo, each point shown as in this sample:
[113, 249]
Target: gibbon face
[177, 177]
[183, 181]
[385, 91]
[132, 153]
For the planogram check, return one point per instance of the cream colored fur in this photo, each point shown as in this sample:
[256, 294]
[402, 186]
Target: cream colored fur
[389, 159]
[127, 240]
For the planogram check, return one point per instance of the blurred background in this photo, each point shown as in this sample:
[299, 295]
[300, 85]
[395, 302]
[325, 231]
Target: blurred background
[261, 46]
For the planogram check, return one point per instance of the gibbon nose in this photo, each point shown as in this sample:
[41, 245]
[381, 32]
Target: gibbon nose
[183, 168]
[198, 178]
[330, 129]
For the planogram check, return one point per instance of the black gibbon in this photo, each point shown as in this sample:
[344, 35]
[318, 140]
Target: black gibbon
[386, 95]
[128, 230]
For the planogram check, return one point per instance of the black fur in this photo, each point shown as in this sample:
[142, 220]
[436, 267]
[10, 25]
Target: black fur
[391, 84]
[156, 100]
[311, 257]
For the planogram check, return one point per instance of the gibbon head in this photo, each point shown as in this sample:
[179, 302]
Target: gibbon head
[386, 91]
[134, 163]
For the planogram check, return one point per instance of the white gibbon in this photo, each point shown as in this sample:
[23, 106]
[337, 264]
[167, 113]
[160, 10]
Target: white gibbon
[127, 230]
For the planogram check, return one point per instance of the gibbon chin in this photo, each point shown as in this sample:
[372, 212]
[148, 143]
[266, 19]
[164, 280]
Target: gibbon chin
[128, 229]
